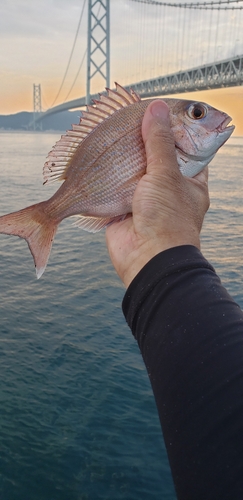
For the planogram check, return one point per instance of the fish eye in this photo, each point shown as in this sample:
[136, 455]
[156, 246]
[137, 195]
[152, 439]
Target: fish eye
[197, 111]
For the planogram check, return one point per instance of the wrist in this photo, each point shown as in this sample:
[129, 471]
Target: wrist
[138, 259]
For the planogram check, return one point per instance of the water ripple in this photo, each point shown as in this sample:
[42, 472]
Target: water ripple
[78, 419]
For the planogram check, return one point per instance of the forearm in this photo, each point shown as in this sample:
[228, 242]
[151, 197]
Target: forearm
[190, 333]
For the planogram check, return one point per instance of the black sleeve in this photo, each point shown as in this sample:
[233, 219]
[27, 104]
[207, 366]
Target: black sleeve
[190, 333]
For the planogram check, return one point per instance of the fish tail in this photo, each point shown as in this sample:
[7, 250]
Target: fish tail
[36, 228]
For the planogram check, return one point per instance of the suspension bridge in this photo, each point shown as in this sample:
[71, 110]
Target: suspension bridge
[192, 46]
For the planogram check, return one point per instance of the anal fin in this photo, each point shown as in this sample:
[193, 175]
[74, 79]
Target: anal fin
[95, 224]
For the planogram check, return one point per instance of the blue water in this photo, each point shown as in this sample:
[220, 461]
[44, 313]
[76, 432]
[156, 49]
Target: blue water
[77, 415]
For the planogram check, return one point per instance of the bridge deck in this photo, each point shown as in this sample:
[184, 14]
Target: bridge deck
[227, 73]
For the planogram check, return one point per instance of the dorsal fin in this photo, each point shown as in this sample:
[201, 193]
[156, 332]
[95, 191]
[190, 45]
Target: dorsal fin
[61, 154]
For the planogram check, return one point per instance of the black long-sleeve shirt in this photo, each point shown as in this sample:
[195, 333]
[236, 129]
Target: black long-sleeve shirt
[190, 333]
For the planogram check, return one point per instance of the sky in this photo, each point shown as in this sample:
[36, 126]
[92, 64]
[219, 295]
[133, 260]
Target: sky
[36, 38]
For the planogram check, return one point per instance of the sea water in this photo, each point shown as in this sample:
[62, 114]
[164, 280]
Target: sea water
[78, 419]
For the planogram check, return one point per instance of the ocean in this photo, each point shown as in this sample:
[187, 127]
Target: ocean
[78, 419]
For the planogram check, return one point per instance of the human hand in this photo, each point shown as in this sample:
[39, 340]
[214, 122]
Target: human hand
[168, 209]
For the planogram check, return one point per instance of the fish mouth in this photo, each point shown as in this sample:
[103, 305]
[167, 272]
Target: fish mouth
[224, 125]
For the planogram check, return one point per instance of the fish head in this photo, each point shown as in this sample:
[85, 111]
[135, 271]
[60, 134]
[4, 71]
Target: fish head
[199, 131]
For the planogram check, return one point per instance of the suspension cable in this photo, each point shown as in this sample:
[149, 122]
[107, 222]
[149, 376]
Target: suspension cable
[209, 35]
[76, 77]
[201, 6]
[71, 54]
[216, 55]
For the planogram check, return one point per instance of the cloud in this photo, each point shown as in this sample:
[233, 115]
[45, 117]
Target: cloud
[36, 37]
[37, 18]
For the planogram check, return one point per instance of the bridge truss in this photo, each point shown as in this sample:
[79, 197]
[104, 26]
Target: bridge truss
[226, 73]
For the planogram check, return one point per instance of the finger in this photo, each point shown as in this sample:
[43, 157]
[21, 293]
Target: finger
[158, 138]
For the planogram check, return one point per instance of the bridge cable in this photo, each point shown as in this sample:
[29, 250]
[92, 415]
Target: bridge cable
[143, 17]
[201, 34]
[77, 74]
[137, 50]
[199, 6]
[191, 35]
[45, 101]
[127, 53]
[156, 40]
[183, 39]
[71, 54]
[232, 30]
[83, 58]
[144, 34]
[163, 38]
[237, 39]
[138, 54]
[177, 61]
[209, 35]
[216, 38]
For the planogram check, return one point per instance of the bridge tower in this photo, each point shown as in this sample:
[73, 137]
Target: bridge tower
[36, 106]
[98, 47]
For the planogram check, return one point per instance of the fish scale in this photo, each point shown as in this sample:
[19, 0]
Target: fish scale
[101, 160]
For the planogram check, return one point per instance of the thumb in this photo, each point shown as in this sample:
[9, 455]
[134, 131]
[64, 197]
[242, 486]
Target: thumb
[158, 138]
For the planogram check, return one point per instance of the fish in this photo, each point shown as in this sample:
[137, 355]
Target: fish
[101, 159]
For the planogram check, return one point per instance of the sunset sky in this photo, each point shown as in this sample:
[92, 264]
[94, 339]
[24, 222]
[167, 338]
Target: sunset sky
[37, 38]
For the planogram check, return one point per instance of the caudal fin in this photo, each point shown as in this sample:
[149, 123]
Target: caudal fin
[32, 225]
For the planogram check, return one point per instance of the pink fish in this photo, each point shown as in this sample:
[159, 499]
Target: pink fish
[101, 161]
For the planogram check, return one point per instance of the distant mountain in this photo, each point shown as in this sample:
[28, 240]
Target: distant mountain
[20, 121]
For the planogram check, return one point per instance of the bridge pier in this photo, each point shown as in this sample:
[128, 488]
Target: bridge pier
[37, 106]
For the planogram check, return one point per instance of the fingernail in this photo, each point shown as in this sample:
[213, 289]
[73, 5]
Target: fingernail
[159, 109]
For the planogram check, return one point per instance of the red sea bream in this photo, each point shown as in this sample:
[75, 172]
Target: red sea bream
[101, 161]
